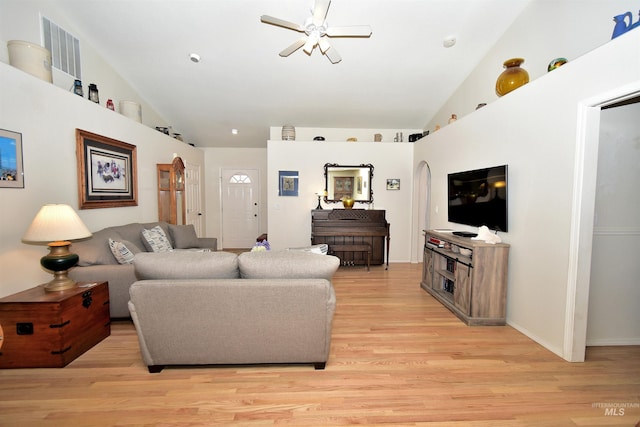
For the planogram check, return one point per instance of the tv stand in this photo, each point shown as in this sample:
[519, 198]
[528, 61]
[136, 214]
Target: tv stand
[465, 234]
[467, 276]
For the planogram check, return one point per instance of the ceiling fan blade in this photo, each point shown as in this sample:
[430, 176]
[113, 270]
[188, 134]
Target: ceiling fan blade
[353, 31]
[295, 46]
[310, 43]
[329, 51]
[281, 23]
[320, 10]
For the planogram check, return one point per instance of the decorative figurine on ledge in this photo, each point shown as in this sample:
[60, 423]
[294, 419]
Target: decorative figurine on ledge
[621, 26]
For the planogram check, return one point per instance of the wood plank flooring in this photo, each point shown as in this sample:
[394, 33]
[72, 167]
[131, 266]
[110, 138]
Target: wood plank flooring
[398, 357]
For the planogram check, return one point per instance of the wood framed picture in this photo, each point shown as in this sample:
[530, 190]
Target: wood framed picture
[11, 173]
[107, 173]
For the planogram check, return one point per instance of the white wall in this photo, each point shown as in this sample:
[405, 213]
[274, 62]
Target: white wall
[20, 20]
[535, 131]
[545, 30]
[614, 318]
[47, 117]
[290, 217]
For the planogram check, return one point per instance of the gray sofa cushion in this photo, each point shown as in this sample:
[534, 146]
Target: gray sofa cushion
[183, 236]
[186, 265]
[287, 265]
[96, 251]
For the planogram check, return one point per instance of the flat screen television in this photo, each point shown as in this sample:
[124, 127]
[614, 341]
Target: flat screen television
[479, 197]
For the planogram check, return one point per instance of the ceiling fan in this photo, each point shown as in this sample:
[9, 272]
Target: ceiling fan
[317, 32]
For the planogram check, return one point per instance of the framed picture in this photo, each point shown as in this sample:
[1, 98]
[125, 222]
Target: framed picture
[359, 184]
[288, 183]
[107, 175]
[393, 184]
[11, 173]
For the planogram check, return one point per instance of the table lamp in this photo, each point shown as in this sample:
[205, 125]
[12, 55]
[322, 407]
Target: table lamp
[321, 194]
[57, 224]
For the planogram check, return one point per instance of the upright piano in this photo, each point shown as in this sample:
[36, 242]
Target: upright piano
[352, 227]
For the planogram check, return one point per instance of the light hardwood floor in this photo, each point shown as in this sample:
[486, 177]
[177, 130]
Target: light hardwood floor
[397, 357]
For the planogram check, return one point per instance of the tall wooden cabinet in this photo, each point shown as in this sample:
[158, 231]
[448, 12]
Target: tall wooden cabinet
[467, 276]
[171, 192]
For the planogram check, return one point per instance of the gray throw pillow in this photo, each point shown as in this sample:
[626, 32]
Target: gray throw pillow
[183, 236]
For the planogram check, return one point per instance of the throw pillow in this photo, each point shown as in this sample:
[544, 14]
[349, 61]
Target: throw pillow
[156, 239]
[121, 251]
[183, 236]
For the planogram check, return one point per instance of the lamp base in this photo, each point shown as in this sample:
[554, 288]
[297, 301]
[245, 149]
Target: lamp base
[59, 260]
[60, 282]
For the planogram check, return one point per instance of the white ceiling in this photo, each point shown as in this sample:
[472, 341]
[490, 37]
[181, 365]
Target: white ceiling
[397, 79]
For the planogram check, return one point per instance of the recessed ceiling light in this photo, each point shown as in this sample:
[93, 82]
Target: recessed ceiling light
[234, 131]
[194, 57]
[449, 41]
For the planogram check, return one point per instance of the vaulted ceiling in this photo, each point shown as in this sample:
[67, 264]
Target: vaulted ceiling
[397, 78]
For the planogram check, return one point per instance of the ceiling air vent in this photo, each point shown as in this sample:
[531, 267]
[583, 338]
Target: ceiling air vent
[64, 48]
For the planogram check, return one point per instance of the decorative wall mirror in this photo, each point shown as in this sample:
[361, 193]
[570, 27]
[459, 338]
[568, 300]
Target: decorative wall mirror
[348, 181]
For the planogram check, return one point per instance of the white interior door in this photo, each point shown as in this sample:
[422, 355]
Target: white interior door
[240, 204]
[193, 197]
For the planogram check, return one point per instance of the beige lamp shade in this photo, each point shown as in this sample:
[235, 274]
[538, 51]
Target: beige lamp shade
[55, 223]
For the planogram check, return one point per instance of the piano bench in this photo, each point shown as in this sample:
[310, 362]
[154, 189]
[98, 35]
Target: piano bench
[364, 247]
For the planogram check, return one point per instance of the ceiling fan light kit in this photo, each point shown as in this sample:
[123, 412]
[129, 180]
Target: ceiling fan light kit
[317, 32]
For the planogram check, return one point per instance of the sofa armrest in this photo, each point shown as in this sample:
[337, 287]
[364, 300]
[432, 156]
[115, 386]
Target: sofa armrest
[120, 277]
[208, 243]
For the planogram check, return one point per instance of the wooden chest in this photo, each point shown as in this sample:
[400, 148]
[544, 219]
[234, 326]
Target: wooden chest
[50, 329]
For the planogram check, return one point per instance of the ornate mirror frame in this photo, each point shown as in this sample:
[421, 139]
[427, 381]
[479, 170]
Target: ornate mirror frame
[353, 181]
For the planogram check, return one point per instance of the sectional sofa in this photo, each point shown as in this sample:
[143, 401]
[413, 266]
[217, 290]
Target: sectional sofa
[109, 253]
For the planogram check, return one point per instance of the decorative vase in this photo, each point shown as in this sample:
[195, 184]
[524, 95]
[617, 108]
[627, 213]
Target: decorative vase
[512, 77]
[347, 202]
[288, 133]
[558, 62]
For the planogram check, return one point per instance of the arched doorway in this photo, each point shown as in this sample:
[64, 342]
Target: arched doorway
[422, 198]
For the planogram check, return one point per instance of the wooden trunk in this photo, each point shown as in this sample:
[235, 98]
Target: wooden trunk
[50, 329]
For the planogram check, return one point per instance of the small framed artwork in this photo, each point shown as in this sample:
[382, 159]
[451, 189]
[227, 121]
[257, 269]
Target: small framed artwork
[393, 184]
[11, 173]
[107, 175]
[288, 183]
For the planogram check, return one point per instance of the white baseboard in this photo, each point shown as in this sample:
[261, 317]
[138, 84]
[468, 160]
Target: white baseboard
[612, 341]
[534, 337]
